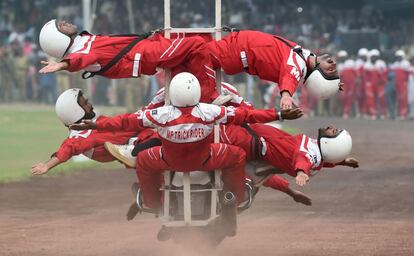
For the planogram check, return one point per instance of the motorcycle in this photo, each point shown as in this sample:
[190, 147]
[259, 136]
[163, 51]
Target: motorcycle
[195, 203]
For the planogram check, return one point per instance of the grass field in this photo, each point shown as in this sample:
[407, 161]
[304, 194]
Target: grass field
[30, 134]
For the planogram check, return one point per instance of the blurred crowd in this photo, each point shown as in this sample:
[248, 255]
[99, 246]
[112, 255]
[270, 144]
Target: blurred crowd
[321, 26]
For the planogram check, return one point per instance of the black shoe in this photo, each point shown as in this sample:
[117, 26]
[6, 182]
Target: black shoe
[132, 211]
[133, 208]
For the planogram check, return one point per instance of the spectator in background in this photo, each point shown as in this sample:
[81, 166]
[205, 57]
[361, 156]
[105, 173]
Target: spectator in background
[47, 86]
[32, 87]
[20, 66]
[361, 79]
[369, 87]
[348, 74]
[7, 80]
[411, 90]
[379, 79]
[402, 69]
[390, 94]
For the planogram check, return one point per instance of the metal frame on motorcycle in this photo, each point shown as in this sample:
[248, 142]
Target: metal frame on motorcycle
[186, 177]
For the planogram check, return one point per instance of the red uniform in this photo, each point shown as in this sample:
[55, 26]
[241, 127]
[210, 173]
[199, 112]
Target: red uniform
[379, 76]
[263, 55]
[240, 137]
[226, 89]
[92, 52]
[186, 135]
[360, 90]
[348, 76]
[402, 71]
[91, 143]
[369, 73]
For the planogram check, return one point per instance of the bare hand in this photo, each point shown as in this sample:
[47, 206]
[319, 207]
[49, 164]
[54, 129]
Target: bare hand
[83, 125]
[39, 169]
[287, 102]
[351, 162]
[301, 198]
[290, 114]
[52, 66]
[301, 178]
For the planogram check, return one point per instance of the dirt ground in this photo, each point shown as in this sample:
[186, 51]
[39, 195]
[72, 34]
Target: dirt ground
[369, 211]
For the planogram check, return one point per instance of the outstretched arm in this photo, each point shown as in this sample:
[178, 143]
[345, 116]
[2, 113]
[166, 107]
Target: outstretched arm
[53, 66]
[42, 168]
[242, 115]
[124, 122]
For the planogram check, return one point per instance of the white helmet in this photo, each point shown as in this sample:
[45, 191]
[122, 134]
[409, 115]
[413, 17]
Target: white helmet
[400, 53]
[363, 52]
[321, 86]
[185, 90]
[67, 107]
[335, 149]
[374, 52]
[52, 41]
[342, 54]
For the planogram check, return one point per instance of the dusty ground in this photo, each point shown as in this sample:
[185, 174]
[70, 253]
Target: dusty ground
[369, 211]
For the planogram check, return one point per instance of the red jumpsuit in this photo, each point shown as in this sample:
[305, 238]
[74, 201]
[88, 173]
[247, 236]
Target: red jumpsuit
[402, 71]
[348, 76]
[91, 143]
[369, 73]
[186, 135]
[238, 136]
[379, 76]
[93, 52]
[360, 90]
[260, 54]
[280, 149]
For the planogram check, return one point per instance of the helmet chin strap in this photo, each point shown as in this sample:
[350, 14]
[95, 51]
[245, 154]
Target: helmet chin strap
[316, 61]
[319, 141]
[70, 36]
[313, 68]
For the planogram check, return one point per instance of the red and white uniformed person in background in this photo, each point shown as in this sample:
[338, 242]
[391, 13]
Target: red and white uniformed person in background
[379, 78]
[361, 79]
[71, 107]
[402, 70]
[369, 73]
[348, 76]
[278, 60]
[186, 129]
[85, 51]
